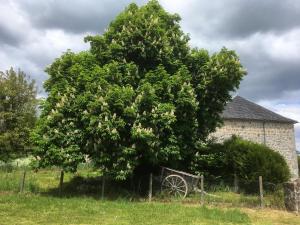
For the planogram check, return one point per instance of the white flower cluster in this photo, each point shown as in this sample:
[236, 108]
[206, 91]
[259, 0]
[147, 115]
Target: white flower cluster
[139, 97]
[167, 113]
[190, 90]
[114, 131]
[102, 101]
[170, 113]
[141, 130]
[52, 113]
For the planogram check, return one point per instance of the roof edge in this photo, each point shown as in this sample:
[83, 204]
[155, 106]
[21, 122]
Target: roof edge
[280, 118]
[259, 120]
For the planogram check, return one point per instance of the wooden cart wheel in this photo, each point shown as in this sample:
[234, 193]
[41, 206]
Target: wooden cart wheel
[175, 185]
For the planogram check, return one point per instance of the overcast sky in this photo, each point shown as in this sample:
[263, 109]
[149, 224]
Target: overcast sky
[265, 34]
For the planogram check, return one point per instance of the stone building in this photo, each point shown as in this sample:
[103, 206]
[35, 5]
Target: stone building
[258, 124]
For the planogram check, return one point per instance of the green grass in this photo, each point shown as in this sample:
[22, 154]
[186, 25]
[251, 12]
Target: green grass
[35, 209]
[37, 182]
[272, 200]
[80, 203]
[34, 182]
[87, 183]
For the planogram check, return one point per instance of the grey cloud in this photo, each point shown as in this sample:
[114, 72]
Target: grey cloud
[73, 16]
[13, 57]
[268, 78]
[9, 37]
[238, 19]
[261, 16]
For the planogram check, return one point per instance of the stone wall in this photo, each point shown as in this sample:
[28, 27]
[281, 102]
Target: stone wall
[292, 196]
[278, 136]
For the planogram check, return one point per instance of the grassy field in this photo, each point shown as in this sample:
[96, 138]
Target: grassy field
[37, 209]
[81, 204]
[33, 209]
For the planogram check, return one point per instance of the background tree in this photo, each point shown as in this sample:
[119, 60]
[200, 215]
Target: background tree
[140, 97]
[17, 113]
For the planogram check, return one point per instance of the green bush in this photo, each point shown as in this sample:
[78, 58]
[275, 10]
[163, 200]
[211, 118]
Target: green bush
[246, 159]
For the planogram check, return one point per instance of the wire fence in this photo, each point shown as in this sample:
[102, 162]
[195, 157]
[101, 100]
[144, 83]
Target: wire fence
[259, 194]
[207, 191]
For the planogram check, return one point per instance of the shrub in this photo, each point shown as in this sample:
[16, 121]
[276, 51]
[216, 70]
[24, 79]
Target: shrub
[246, 159]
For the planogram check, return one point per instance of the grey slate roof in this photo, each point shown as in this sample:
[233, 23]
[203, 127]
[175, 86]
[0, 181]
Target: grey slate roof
[240, 108]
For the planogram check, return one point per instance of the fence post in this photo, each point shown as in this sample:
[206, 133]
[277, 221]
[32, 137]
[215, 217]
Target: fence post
[261, 192]
[236, 183]
[150, 188]
[202, 189]
[22, 184]
[103, 187]
[61, 181]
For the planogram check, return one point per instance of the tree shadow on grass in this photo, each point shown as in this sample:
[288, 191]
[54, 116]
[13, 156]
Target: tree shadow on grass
[80, 186]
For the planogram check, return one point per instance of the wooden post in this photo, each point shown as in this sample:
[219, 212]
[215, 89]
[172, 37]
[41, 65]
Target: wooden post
[138, 188]
[22, 183]
[261, 192]
[132, 185]
[150, 188]
[202, 189]
[236, 183]
[61, 181]
[162, 174]
[103, 187]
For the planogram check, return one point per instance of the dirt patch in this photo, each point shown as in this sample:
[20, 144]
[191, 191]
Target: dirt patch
[6, 193]
[271, 216]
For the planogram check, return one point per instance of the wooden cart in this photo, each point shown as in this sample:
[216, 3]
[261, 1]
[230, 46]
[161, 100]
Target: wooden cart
[177, 183]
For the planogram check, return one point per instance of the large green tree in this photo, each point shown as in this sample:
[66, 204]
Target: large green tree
[141, 96]
[17, 113]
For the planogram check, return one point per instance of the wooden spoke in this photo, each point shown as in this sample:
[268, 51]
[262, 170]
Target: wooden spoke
[175, 185]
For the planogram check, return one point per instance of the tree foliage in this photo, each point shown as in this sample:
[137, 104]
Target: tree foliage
[140, 96]
[17, 113]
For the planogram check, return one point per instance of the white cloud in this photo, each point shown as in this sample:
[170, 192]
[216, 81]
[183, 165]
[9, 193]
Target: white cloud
[33, 56]
[285, 46]
[29, 48]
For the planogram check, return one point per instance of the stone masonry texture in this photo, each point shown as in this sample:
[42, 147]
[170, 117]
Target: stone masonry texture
[276, 135]
[292, 196]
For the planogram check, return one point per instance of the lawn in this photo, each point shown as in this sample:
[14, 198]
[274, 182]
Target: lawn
[81, 203]
[35, 209]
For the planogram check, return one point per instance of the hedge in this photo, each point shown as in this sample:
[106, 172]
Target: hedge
[245, 159]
